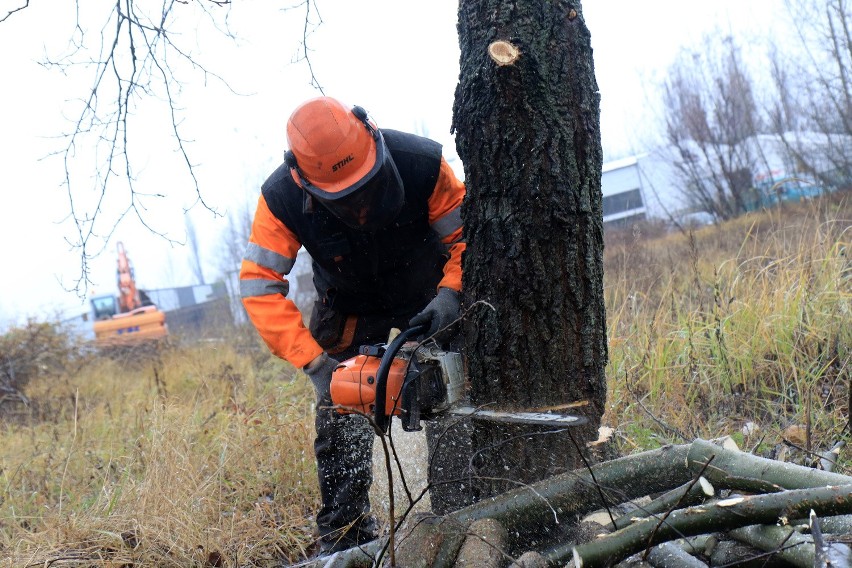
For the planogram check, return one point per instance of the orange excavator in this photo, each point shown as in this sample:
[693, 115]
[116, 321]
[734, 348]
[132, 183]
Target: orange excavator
[130, 317]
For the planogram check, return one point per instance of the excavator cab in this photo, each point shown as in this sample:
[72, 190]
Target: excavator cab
[104, 307]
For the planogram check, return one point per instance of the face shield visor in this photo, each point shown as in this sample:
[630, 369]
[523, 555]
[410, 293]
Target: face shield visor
[372, 202]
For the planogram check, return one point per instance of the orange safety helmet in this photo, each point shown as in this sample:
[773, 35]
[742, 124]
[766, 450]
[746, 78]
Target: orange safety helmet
[340, 158]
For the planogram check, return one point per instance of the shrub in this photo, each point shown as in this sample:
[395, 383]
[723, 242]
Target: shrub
[31, 351]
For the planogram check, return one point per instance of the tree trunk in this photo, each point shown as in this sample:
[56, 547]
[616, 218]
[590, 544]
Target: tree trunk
[527, 125]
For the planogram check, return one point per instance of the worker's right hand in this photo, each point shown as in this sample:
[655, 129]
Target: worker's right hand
[319, 371]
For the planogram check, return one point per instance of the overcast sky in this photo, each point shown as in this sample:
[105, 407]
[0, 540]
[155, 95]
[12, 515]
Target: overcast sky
[396, 58]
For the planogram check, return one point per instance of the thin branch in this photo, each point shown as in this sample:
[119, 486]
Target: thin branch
[651, 415]
[309, 27]
[13, 11]
[134, 60]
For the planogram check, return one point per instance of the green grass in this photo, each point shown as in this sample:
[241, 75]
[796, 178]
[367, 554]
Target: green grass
[202, 455]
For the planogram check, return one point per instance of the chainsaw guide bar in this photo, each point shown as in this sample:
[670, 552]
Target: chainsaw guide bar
[530, 418]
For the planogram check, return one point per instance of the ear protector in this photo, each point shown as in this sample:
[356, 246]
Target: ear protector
[290, 160]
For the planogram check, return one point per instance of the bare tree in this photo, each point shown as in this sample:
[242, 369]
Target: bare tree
[813, 81]
[711, 121]
[231, 249]
[233, 238]
[136, 57]
[734, 135]
[139, 56]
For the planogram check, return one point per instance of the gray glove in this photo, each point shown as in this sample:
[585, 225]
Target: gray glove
[438, 314]
[320, 374]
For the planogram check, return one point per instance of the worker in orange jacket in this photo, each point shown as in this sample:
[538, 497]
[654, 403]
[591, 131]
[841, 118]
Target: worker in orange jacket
[379, 212]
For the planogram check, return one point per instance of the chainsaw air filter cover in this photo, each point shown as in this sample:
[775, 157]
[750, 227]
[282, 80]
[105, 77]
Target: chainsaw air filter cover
[353, 385]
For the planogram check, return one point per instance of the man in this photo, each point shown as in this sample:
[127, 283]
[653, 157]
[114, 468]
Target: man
[379, 213]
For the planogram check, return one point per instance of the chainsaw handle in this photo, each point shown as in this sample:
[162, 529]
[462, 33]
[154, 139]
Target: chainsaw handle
[382, 420]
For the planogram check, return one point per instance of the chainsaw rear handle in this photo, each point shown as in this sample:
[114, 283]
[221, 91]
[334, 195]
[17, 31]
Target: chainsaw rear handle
[381, 419]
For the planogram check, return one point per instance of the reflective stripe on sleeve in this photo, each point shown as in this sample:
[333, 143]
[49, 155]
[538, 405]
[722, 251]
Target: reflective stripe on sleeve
[269, 259]
[262, 287]
[449, 223]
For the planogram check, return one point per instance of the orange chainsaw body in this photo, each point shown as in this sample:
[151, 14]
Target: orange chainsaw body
[353, 384]
[433, 381]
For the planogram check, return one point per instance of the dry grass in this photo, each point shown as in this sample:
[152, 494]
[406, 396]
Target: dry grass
[190, 457]
[750, 322]
[202, 456]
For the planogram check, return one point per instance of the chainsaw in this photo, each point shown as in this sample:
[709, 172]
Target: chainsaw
[417, 381]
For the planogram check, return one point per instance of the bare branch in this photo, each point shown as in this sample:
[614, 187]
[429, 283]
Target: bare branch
[13, 11]
[137, 58]
[817, 88]
[309, 27]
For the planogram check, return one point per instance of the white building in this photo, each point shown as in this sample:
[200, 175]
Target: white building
[649, 186]
[641, 187]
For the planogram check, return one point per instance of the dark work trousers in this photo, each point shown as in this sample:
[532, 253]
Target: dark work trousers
[344, 442]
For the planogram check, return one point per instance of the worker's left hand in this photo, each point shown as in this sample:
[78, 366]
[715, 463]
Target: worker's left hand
[319, 371]
[439, 315]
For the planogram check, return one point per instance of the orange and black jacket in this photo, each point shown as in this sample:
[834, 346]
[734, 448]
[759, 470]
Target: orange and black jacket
[391, 272]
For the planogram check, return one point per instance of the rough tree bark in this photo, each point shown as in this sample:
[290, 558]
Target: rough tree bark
[527, 124]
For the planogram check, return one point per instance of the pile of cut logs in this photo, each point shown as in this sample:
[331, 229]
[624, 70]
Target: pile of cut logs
[694, 505]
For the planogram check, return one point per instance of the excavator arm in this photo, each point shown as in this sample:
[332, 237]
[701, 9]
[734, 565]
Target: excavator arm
[128, 295]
